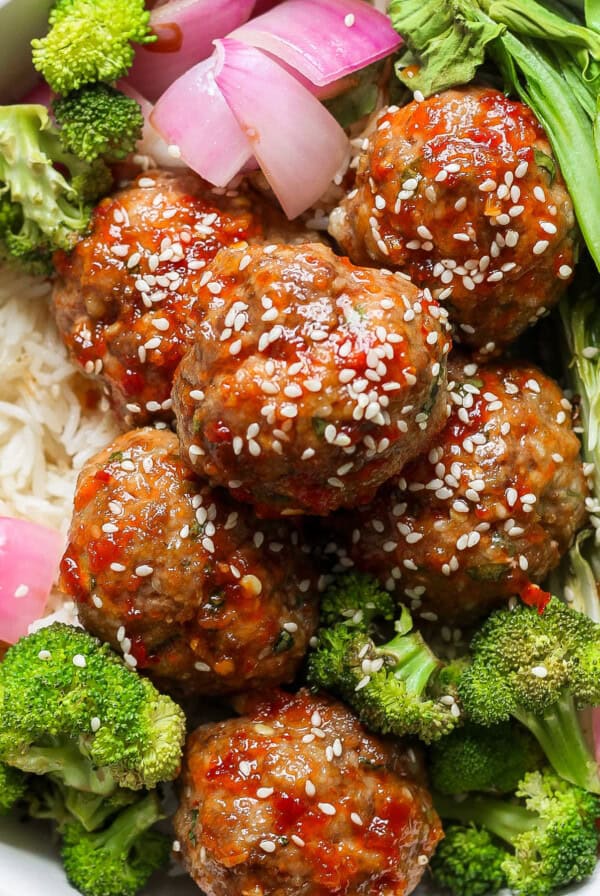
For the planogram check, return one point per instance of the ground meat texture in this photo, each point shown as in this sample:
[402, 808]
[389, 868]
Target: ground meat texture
[125, 298]
[462, 193]
[311, 381]
[489, 510]
[297, 799]
[182, 581]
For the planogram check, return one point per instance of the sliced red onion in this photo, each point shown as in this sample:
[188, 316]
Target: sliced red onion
[39, 95]
[263, 6]
[193, 116]
[29, 559]
[350, 35]
[298, 144]
[186, 30]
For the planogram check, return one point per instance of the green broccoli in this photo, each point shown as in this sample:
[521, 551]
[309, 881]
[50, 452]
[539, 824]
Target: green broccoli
[45, 191]
[489, 759]
[51, 800]
[119, 860]
[469, 862]
[99, 121]
[391, 686]
[13, 784]
[20, 240]
[90, 40]
[71, 708]
[539, 669]
[550, 835]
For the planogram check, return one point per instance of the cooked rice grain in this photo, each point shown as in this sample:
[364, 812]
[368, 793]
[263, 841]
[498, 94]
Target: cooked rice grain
[45, 434]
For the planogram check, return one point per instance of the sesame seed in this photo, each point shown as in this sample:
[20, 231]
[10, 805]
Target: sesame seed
[363, 683]
[327, 808]
[80, 661]
[144, 570]
[418, 96]
[540, 247]
[264, 793]
[95, 724]
[297, 840]
[44, 655]
[310, 788]
[539, 671]
[565, 271]
[355, 817]
[349, 20]
[117, 567]
[267, 846]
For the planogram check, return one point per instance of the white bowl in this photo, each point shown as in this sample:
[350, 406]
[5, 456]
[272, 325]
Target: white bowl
[29, 862]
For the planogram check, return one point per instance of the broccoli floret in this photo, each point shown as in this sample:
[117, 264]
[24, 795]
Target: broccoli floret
[99, 121]
[46, 191]
[392, 686]
[358, 599]
[20, 241]
[90, 40]
[539, 668]
[13, 784]
[469, 862]
[551, 834]
[71, 708]
[487, 759]
[119, 860]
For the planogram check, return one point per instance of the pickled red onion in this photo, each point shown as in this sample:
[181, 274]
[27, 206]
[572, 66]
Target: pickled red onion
[194, 116]
[297, 143]
[29, 559]
[351, 35]
[186, 30]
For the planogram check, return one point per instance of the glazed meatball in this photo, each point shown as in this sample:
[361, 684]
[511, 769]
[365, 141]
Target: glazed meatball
[297, 799]
[310, 381]
[125, 298]
[489, 510]
[462, 193]
[180, 579]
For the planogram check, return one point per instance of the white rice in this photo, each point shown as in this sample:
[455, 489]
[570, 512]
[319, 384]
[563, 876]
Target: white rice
[45, 434]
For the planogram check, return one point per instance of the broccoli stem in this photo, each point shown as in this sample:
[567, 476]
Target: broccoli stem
[560, 735]
[130, 824]
[65, 762]
[413, 661]
[505, 820]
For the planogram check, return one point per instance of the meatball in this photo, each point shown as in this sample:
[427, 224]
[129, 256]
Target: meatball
[125, 298]
[180, 579]
[297, 798]
[489, 510]
[310, 381]
[462, 193]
